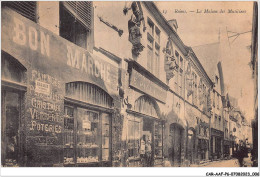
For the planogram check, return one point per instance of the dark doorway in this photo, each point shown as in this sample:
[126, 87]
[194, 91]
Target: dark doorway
[176, 139]
[191, 146]
[10, 127]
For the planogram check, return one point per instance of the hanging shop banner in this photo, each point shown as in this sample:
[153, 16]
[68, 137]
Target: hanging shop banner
[142, 83]
[35, 46]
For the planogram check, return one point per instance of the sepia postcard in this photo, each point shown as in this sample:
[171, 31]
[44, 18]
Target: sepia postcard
[130, 84]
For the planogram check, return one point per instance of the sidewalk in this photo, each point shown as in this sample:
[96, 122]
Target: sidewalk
[225, 163]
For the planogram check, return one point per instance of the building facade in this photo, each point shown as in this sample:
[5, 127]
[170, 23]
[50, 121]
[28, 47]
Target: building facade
[84, 86]
[58, 99]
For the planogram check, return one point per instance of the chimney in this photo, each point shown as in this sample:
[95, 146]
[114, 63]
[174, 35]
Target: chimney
[173, 24]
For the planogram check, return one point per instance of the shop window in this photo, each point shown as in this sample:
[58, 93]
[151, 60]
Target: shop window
[75, 21]
[134, 138]
[89, 93]
[12, 95]
[10, 125]
[25, 8]
[87, 136]
[87, 127]
[12, 70]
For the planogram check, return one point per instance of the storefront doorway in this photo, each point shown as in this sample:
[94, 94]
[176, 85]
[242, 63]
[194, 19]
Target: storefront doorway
[10, 121]
[191, 145]
[176, 141]
[145, 134]
[87, 127]
[13, 88]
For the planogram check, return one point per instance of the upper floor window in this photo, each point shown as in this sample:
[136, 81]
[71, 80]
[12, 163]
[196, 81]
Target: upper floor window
[216, 120]
[150, 28]
[75, 21]
[217, 101]
[157, 59]
[150, 63]
[157, 35]
[153, 48]
[25, 8]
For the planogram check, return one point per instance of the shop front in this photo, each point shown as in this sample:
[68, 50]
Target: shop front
[145, 125]
[227, 148]
[145, 134]
[216, 144]
[58, 100]
[203, 141]
[198, 135]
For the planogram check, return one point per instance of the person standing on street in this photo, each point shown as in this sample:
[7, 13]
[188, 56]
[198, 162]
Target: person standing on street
[241, 153]
[148, 152]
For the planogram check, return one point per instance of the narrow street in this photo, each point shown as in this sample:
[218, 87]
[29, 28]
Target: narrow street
[227, 163]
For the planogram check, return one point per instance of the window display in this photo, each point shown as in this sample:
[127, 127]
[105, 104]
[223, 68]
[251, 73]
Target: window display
[134, 138]
[87, 136]
[10, 122]
[87, 145]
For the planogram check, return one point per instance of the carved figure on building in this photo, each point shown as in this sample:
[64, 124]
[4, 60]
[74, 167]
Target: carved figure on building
[170, 61]
[134, 24]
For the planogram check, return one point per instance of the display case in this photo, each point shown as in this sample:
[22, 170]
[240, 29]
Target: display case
[86, 137]
[88, 145]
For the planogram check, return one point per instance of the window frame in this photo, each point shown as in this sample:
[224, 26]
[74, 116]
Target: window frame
[75, 108]
[153, 63]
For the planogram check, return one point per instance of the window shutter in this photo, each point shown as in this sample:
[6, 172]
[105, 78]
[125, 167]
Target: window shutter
[82, 10]
[25, 8]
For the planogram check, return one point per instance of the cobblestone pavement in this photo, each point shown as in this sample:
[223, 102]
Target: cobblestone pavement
[227, 163]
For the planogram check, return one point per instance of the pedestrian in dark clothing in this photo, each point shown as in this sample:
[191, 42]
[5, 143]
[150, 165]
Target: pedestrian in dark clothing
[241, 153]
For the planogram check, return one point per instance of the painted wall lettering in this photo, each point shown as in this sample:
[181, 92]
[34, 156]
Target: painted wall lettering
[85, 63]
[39, 76]
[24, 35]
[45, 127]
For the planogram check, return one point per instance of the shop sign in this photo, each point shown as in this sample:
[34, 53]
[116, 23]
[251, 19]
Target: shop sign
[215, 132]
[41, 87]
[26, 40]
[145, 85]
